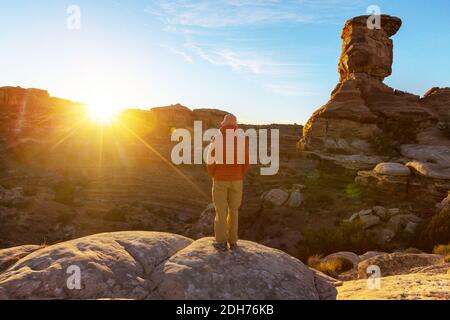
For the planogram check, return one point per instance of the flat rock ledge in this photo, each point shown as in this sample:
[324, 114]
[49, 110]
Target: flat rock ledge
[154, 265]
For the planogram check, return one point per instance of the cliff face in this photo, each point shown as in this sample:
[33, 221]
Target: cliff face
[363, 112]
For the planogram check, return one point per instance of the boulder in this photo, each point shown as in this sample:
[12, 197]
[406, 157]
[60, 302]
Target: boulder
[366, 216]
[153, 265]
[380, 212]
[398, 263]
[403, 221]
[439, 155]
[357, 215]
[251, 272]
[276, 197]
[392, 169]
[369, 221]
[411, 227]
[349, 256]
[295, 199]
[111, 265]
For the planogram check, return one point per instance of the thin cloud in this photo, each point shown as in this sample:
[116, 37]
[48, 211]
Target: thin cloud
[241, 61]
[178, 52]
[229, 13]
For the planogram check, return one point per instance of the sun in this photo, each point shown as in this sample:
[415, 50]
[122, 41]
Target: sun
[102, 113]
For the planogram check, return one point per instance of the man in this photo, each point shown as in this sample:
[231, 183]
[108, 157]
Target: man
[228, 175]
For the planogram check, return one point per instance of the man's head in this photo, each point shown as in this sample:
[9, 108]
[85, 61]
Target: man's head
[229, 121]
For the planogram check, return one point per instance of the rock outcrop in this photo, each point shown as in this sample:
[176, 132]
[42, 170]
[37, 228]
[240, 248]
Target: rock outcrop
[366, 122]
[152, 265]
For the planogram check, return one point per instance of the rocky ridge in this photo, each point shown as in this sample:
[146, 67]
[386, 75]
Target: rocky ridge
[366, 122]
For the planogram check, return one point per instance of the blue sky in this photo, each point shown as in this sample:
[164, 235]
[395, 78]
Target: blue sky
[267, 61]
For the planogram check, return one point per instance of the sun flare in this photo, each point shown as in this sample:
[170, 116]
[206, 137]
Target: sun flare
[102, 113]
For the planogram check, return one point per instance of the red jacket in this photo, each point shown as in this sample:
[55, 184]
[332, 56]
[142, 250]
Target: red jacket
[229, 172]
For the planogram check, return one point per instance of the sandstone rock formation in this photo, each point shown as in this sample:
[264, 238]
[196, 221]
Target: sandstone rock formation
[151, 265]
[366, 122]
[179, 116]
[367, 50]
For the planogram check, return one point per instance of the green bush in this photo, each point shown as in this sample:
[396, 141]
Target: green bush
[443, 250]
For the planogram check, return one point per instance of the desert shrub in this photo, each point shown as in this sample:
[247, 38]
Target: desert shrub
[437, 231]
[116, 214]
[443, 250]
[64, 192]
[331, 267]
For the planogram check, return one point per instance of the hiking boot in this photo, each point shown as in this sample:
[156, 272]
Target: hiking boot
[221, 246]
[233, 246]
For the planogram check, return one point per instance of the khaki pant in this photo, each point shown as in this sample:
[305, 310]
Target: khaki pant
[227, 197]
